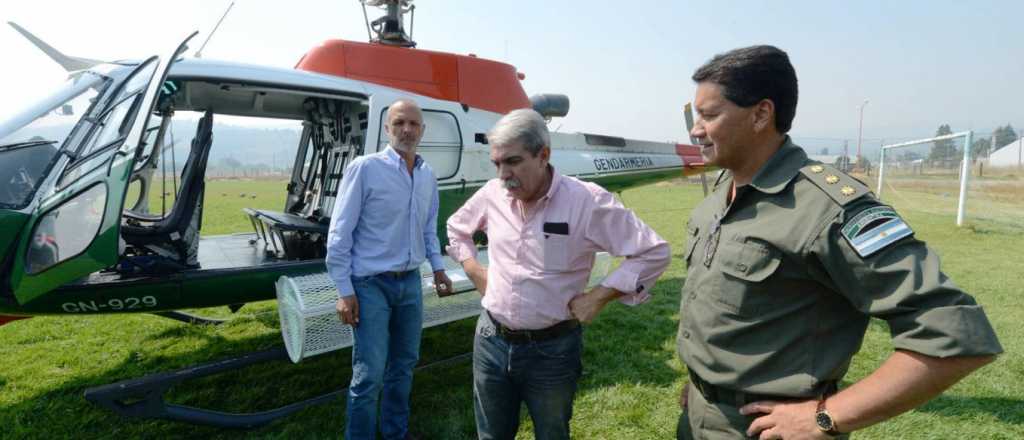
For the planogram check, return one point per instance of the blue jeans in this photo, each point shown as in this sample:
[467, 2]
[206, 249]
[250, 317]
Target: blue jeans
[541, 374]
[385, 351]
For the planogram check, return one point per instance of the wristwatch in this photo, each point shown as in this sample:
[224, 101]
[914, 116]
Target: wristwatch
[825, 422]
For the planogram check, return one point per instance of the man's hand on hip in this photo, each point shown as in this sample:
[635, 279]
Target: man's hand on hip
[442, 284]
[585, 307]
[348, 310]
[789, 420]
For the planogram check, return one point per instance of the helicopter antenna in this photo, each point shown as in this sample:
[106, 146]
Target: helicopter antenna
[390, 29]
[199, 53]
[369, 36]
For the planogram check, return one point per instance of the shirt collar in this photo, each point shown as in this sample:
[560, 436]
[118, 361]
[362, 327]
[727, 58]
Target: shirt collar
[393, 154]
[780, 169]
[556, 181]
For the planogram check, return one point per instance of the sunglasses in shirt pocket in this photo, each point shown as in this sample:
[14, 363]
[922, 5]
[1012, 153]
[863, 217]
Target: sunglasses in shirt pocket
[556, 247]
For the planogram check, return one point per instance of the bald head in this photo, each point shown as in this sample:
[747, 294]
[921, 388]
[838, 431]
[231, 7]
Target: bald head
[403, 103]
[404, 125]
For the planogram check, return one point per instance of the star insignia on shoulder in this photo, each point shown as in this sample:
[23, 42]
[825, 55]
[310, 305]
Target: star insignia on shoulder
[831, 179]
[816, 169]
[847, 191]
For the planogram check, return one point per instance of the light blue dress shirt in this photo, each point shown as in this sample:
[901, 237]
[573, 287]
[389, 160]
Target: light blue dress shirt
[384, 219]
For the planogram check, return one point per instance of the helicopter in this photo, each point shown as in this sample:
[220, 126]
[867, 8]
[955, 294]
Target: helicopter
[78, 238]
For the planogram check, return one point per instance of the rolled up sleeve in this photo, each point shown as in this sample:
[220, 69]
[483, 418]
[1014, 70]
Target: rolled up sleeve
[618, 231]
[903, 284]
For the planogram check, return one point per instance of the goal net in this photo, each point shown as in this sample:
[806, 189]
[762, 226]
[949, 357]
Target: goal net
[942, 176]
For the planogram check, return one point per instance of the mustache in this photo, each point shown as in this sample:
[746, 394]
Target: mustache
[511, 183]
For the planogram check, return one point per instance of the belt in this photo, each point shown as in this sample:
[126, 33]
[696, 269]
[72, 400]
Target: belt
[395, 274]
[524, 336]
[716, 394]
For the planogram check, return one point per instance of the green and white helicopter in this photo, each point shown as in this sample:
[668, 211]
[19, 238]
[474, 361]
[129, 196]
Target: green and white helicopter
[78, 240]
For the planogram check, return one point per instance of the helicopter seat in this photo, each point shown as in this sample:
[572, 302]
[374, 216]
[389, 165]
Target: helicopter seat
[291, 236]
[174, 238]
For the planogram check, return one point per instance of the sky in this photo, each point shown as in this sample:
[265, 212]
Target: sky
[625, 66]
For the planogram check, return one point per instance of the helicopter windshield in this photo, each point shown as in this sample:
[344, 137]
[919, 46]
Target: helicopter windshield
[29, 140]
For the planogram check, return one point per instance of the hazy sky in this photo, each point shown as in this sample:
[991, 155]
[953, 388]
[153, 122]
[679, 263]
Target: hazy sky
[624, 65]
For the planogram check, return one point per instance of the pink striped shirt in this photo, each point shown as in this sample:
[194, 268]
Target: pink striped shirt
[539, 264]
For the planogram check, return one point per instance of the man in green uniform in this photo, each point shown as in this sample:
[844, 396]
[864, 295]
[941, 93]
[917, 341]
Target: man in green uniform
[787, 261]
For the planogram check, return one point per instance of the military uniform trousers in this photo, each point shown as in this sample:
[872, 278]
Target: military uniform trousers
[703, 420]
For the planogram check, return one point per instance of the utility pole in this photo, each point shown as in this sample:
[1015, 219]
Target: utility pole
[846, 157]
[860, 131]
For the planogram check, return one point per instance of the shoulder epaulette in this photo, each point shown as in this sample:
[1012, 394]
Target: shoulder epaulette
[841, 187]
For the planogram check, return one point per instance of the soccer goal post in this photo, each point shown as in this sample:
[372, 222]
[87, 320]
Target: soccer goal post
[916, 162]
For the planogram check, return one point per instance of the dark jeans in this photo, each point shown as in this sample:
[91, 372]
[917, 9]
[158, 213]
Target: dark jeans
[386, 349]
[541, 374]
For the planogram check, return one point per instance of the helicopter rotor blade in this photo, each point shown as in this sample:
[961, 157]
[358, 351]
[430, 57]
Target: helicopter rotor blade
[68, 62]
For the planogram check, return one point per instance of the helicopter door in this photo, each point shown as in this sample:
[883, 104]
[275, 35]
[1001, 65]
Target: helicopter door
[74, 232]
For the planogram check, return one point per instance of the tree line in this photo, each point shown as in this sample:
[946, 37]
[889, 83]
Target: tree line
[948, 150]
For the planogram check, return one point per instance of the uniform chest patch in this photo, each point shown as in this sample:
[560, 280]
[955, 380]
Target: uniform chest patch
[874, 229]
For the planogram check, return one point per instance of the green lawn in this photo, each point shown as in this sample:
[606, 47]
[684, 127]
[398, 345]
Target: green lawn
[628, 391]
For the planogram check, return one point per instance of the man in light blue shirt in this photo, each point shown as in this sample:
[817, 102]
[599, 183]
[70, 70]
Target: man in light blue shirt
[383, 227]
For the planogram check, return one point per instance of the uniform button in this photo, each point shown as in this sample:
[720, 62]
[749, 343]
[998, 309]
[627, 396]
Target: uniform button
[686, 334]
[742, 267]
[693, 296]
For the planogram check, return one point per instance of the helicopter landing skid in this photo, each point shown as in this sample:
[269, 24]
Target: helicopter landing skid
[189, 318]
[144, 397]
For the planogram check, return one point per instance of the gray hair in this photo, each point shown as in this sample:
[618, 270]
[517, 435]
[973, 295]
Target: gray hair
[524, 126]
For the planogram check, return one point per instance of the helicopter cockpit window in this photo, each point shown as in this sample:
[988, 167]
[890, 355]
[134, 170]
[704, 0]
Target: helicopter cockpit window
[441, 146]
[111, 125]
[27, 152]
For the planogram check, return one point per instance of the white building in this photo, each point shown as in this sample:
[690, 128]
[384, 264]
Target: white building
[1008, 155]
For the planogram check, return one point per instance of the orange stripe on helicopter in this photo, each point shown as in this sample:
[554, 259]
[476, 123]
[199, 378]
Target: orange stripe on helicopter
[478, 83]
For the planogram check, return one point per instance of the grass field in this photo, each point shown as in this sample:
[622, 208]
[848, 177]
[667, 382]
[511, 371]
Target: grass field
[994, 198]
[628, 391]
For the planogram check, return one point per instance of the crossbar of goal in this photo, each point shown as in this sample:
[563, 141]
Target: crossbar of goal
[965, 165]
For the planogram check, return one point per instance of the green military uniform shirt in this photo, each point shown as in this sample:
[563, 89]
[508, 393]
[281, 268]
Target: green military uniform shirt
[781, 285]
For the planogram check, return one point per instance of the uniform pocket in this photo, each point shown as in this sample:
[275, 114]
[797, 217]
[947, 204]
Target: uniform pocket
[556, 253]
[745, 266]
[752, 262]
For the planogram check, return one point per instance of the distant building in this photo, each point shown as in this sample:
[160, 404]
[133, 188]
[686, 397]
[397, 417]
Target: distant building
[843, 163]
[1008, 155]
[824, 158]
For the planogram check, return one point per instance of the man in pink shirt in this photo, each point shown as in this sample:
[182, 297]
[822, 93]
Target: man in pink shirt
[543, 230]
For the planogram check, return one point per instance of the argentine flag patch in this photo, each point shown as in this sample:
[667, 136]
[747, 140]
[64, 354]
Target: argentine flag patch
[873, 229]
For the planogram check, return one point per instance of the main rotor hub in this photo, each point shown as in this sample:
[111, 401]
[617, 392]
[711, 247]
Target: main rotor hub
[390, 28]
